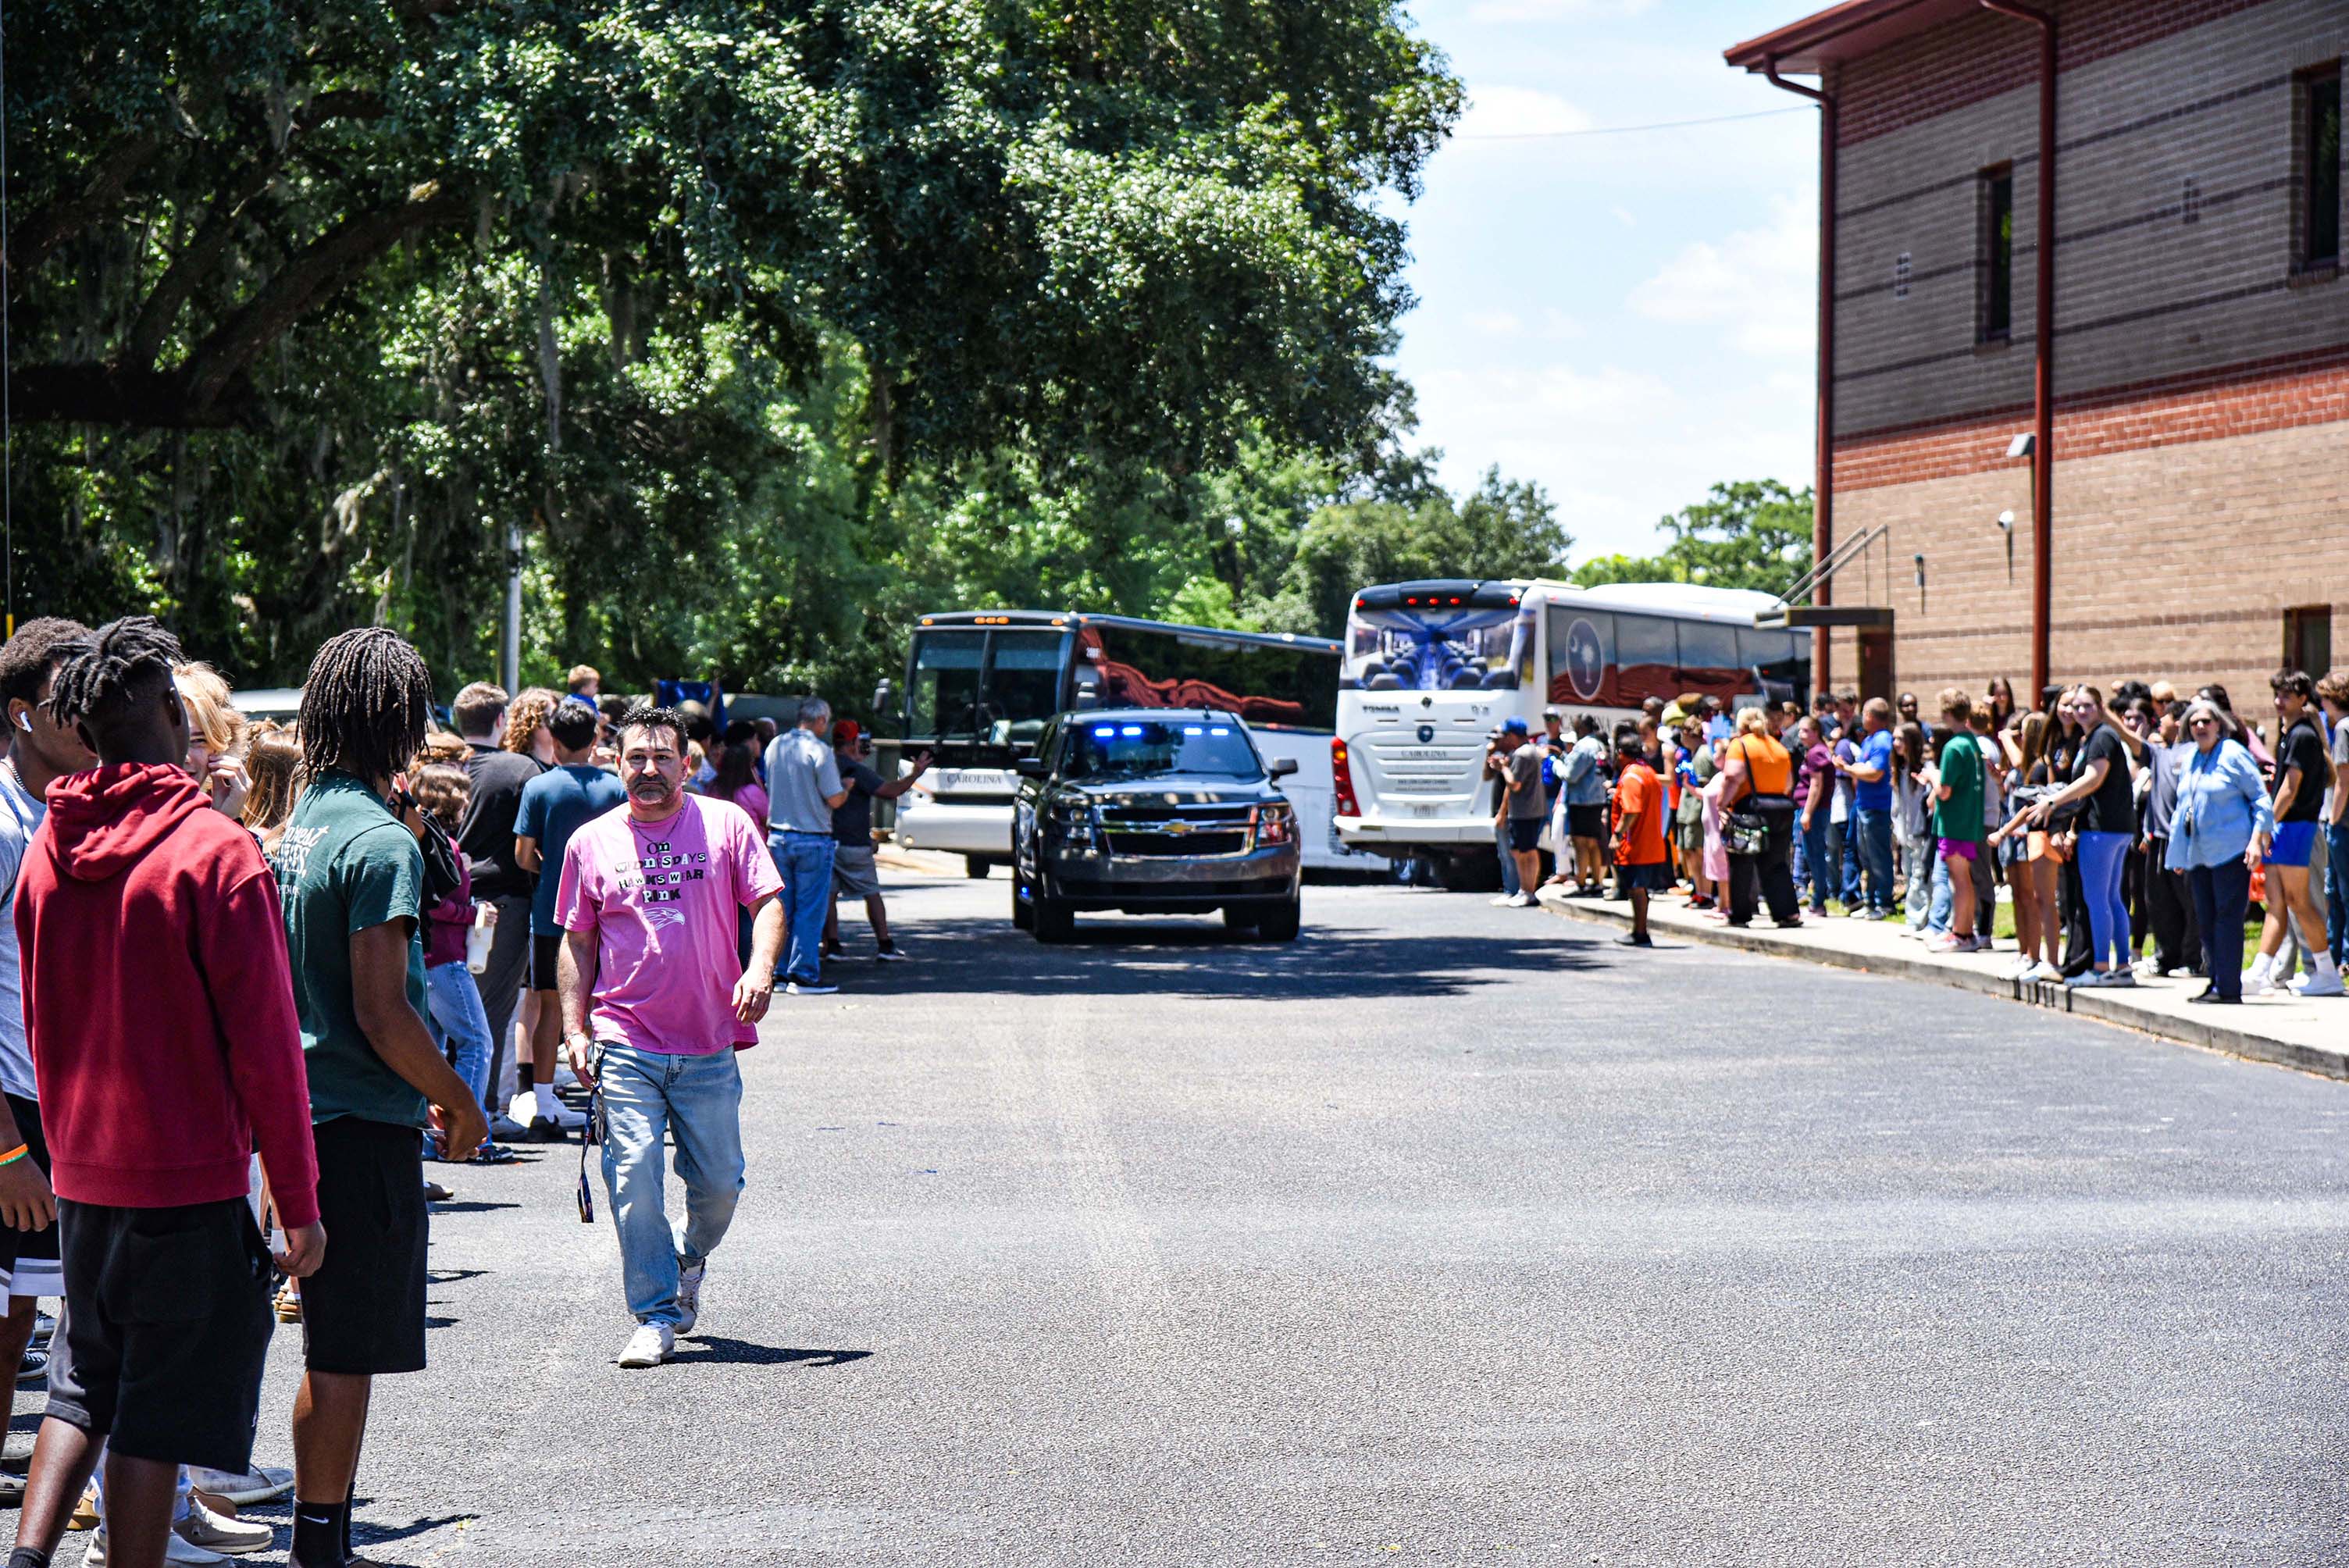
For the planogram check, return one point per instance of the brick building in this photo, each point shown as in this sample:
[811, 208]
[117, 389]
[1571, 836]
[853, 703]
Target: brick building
[2200, 352]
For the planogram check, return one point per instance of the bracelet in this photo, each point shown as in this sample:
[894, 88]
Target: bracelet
[15, 1154]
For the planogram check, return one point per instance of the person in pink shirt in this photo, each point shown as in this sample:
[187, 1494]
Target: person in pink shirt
[655, 1002]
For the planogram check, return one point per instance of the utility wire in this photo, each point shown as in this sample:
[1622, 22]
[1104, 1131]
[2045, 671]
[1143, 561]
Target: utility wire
[1629, 129]
[7, 287]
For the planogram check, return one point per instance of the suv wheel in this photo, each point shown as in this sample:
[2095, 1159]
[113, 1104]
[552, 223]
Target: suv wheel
[1241, 918]
[1050, 919]
[1023, 916]
[1280, 921]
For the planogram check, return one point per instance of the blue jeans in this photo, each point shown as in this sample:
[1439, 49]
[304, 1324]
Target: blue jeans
[1874, 832]
[1508, 861]
[648, 1095]
[1924, 864]
[805, 860]
[2336, 892]
[2222, 896]
[455, 1002]
[1816, 860]
[1940, 913]
[2101, 860]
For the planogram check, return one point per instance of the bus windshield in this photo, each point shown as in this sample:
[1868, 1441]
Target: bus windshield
[998, 688]
[1099, 748]
[1454, 650]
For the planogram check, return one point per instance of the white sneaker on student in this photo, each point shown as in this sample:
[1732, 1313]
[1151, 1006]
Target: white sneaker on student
[262, 1483]
[2046, 973]
[688, 1294]
[649, 1345]
[176, 1550]
[808, 989]
[1497, 899]
[219, 1533]
[2327, 984]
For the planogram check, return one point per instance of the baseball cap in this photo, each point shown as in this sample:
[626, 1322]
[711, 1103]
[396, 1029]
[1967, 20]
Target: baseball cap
[1553, 713]
[844, 733]
[1675, 713]
[1513, 725]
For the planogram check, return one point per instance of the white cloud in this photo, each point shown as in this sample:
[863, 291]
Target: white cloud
[1759, 284]
[1506, 111]
[1623, 216]
[1559, 327]
[1495, 323]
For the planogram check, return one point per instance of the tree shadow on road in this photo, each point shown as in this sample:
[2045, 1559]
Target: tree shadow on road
[1199, 958]
[716, 1350]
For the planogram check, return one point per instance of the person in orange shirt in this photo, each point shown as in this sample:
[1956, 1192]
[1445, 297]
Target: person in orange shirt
[1640, 813]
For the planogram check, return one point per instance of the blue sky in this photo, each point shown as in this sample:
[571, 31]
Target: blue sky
[1625, 319]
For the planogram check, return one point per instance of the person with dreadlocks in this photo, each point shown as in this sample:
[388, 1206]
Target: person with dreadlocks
[352, 880]
[166, 1047]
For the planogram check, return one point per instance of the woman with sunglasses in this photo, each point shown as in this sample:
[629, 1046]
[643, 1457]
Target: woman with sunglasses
[2101, 782]
[2218, 833]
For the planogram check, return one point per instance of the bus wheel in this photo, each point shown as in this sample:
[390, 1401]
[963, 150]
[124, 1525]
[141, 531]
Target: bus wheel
[1468, 874]
[976, 867]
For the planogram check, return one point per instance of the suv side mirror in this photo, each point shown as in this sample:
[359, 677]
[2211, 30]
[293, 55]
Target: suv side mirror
[1031, 768]
[1282, 767]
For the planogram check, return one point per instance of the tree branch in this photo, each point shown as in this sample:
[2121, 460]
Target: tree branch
[311, 277]
[106, 395]
[189, 267]
[47, 229]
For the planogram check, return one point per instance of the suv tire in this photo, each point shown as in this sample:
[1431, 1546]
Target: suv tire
[1280, 921]
[1050, 919]
[1241, 918]
[1023, 916]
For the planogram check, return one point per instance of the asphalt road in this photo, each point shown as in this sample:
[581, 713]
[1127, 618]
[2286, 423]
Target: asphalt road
[1451, 1233]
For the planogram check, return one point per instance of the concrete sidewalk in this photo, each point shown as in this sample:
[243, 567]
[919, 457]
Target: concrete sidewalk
[2311, 1036]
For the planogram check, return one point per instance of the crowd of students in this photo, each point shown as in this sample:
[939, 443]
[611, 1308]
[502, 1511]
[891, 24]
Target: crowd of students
[2146, 819]
[253, 976]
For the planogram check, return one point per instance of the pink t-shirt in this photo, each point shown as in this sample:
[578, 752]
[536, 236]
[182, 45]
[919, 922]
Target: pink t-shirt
[661, 897]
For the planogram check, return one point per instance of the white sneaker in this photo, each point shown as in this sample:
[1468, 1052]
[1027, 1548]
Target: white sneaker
[262, 1483]
[2045, 972]
[1498, 900]
[808, 989]
[2257, 983]
[219, 1533]
[563, 1117]
[2019, 970]
[2320, 985]
[1522, 901]
[688, 1294]
[649, 1345]
[1946, 942]
[177, 1549]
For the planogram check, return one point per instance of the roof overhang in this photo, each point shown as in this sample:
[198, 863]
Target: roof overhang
[1844, 32]
[1799, 617]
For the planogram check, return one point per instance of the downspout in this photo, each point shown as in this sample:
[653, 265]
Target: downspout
[1823, 489]
[2042, 447]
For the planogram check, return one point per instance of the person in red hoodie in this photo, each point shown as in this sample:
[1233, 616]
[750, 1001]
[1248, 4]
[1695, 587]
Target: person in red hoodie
[166, 1047]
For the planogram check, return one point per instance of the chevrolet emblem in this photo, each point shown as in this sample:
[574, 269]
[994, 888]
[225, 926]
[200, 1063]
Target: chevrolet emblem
[1178, 828]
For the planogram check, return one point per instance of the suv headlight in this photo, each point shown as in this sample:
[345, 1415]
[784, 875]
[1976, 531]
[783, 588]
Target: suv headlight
[1075, 820]
[1276, 823]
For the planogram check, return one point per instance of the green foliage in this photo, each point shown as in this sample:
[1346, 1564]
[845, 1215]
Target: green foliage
[1752, 533]
[764, 323]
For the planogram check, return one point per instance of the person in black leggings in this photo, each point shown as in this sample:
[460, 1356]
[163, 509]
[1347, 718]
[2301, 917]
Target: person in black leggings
[1755, 762]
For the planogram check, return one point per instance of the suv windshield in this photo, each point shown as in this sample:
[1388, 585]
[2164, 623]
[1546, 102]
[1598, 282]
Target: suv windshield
[1097, 747]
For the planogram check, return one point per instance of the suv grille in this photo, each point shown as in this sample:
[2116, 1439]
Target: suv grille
[1192, 831]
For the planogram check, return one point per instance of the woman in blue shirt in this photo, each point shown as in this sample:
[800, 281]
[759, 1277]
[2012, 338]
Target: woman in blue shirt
[2219, 832]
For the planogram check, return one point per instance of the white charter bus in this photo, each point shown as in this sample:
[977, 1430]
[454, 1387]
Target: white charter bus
[981, 684]
[1434, 667]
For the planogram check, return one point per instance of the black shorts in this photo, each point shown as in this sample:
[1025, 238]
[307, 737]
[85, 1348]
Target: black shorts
[1525, 834]
[165, 1327]
[28, 1259]
[545, 951]
[363, 1311]
[1586, 821]
[1656, 877]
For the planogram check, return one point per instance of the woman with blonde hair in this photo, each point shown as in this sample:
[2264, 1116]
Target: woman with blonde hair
[2024, 850]
[1759, 797]
[216, 734]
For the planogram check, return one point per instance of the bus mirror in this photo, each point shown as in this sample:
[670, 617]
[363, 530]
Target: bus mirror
[1088, 691]
[880, 695]
[1280, 766]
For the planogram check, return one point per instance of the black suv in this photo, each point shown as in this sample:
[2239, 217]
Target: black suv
[1153, 811]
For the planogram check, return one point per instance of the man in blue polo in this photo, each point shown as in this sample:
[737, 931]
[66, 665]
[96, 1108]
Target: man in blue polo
[1870, 772]
[802, 788]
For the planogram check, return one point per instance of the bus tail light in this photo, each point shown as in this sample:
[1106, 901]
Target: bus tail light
[1342, 779]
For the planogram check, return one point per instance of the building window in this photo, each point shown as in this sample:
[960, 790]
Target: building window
[2308, 639]
[2318, 155]
[1900, 270]
[1998, 255]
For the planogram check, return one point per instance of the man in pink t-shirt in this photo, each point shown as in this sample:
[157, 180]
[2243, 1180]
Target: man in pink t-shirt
[656, 1004]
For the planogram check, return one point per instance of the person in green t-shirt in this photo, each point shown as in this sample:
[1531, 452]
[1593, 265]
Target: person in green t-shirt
[352, 881]
[1958, 820]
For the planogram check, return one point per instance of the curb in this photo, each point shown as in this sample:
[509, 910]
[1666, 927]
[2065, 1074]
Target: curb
[2108, 1009]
